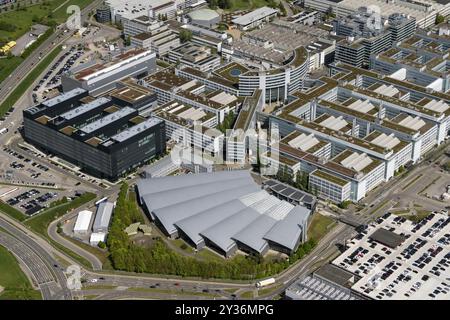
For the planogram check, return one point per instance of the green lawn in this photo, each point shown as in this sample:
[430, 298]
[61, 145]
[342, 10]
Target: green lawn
[421, 214]
[28, 81]
[23, 18]
[11, 211]
[319, 226]
[15, 282]
[8, 65]
[247, 4]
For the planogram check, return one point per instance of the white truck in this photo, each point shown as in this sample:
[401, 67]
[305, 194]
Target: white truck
[265, 282]
[3, 130]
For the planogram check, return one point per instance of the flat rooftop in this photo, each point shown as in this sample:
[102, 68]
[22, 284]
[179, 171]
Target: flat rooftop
[387, 238]
[134, 130]
[254, 15]
[131, 93]
[336, 275]
[106, 120]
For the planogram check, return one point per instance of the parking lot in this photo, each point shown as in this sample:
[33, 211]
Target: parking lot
[23, 170]
[47, 86]
[394, 258]
[29, 200]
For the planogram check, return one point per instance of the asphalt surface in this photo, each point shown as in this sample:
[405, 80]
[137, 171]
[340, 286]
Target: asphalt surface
[51, 280]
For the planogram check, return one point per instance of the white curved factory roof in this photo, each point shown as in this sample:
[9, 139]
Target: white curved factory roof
[286, 232]
[226, 208]
[194, 225]
[203, 14]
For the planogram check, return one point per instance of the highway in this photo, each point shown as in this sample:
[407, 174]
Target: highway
[57, 38]
[50, 279]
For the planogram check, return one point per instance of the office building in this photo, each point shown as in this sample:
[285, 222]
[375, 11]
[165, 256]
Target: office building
[128, 93]
[103, 14]
[422, 11]
[190, 126]
[254, 18]
[194, 56]
[101, 77]
[153, 8]
[421, 59]
[169, 86]
[364, 38]
[354, 130]
[99, 137]
[160, 41]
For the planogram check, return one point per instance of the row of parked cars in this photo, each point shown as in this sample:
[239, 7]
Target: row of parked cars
[23, 196]
[54, 81]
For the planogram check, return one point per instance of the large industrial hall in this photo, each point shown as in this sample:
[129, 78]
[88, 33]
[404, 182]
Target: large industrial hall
[225, 211]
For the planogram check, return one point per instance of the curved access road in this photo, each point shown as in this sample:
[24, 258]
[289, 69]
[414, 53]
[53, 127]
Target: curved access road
[54, 235]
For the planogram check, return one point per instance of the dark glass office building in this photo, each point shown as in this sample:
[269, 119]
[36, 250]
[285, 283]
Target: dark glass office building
[103, 139]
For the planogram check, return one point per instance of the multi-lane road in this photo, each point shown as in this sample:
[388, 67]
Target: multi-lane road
[57, 38]
[46, 272]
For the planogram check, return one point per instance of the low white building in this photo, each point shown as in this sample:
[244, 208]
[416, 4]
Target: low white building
[255, 18]
[96, 238]
[83, 221]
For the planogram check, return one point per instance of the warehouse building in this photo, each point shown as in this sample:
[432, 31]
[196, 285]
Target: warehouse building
[225, 211]
[98, 136]
[255, 18]
[101, 77]
[103, 217]
[82, 223]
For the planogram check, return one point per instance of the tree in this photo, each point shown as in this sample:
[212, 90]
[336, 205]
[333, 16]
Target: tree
[282, 9]
[127, 41]
[447, 166]
[227, 122]
[213, 4]
[439, 19]
[185, 35]
[224, 4]
[344, 204]
[301, 180]
[272, 4]
[101, 245]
